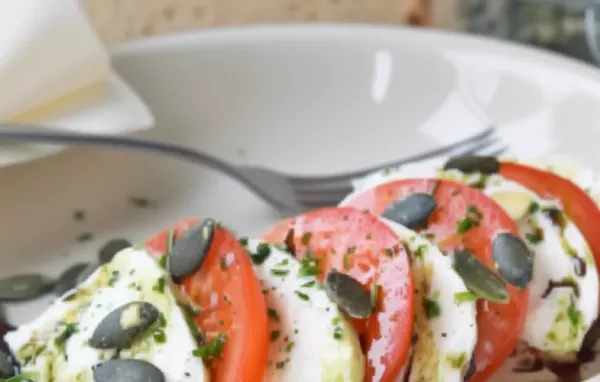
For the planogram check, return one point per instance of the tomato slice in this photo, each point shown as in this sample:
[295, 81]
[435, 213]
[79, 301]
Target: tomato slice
[577, 204]
[360, 245]
[499, 325]
[230, 301]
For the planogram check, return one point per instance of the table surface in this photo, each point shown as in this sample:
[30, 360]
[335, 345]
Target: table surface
[121, 20]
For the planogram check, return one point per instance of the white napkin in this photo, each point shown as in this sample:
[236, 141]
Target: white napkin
[55, 72]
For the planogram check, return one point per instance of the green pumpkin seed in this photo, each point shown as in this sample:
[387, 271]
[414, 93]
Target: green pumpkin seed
[24, 287]
[348, 294]
[478, 278]
[7, 369]
[473, 163]
[190, 250]
[111, 248]
[411, 212]
[121, 327]
[69, 279]
[513, 260]
[127, 370]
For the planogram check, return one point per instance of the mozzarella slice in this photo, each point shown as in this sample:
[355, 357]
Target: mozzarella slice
[42, 349]
[310, 338]
[556, 323]
[446, 329]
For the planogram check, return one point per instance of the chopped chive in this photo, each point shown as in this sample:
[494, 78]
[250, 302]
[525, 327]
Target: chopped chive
[280, 272]
[465, 296]
[302, 296]
[306, 238]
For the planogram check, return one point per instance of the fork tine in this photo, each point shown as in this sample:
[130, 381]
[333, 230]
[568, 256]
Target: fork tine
[347, 177]
[478, 148]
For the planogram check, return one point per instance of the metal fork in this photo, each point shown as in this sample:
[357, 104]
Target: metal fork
[287, 193]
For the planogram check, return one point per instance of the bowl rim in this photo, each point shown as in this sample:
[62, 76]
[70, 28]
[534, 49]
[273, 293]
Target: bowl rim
[336, 32]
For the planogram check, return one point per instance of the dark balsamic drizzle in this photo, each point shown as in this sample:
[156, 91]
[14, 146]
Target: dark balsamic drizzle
[289, 242]
[565, 372]
[567, 283]
[529, 364]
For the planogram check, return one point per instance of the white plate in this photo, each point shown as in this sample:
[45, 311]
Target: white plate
[305, 99]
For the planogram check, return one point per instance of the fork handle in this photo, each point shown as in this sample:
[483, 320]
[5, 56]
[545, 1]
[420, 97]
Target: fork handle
[35, 134]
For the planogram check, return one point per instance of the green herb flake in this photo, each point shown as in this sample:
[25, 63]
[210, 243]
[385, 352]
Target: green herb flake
[573, 314]
[272, 313]
[309, 284]
[536, 237]
[163, 261]
[159, 286]
[309, 266]
[302, 296]
[375, 291]
[337, 333]
[282, 263]
[457, 362]
[466, 296]
[280, 272]
[336, 320]
[389, 252]
[533, 208]
[243, 241]
[114, 277]
[346, 261]
[432, 308]
[262, 253]
[305, 240]
[420, 251]
[70, 330]
[211, 350]
[274, 335]
[290, 346]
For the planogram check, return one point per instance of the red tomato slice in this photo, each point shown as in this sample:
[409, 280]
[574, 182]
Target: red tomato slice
[230, 302]
[499, 325]
[360, 245]
[577, 204]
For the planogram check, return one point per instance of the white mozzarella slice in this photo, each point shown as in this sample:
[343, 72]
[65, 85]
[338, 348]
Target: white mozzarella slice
[445, 325]
[310, 338]
[132, 276]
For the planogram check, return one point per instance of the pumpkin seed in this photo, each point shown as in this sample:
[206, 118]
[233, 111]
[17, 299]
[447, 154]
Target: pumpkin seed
[127, 370]
[478, 278]
[515, 203]
[473, 163]
[7, 369]
[513, 260]
[111, 248]
[411, 212]
[190, 250]
[348, 294]
[69, 279]
[24, 287]
[121, 327]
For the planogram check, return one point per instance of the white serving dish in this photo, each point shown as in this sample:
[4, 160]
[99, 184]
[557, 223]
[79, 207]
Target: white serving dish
[300, 98]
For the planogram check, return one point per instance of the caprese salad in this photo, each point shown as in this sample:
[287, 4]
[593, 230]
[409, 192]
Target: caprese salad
[424, 273]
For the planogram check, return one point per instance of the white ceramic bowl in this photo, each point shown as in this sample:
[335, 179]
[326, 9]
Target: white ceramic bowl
[304, 99]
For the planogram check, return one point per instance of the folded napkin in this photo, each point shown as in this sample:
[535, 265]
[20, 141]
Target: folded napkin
[55, 72]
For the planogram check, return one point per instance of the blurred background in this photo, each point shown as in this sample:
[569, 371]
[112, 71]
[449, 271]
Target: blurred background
[567, 26]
